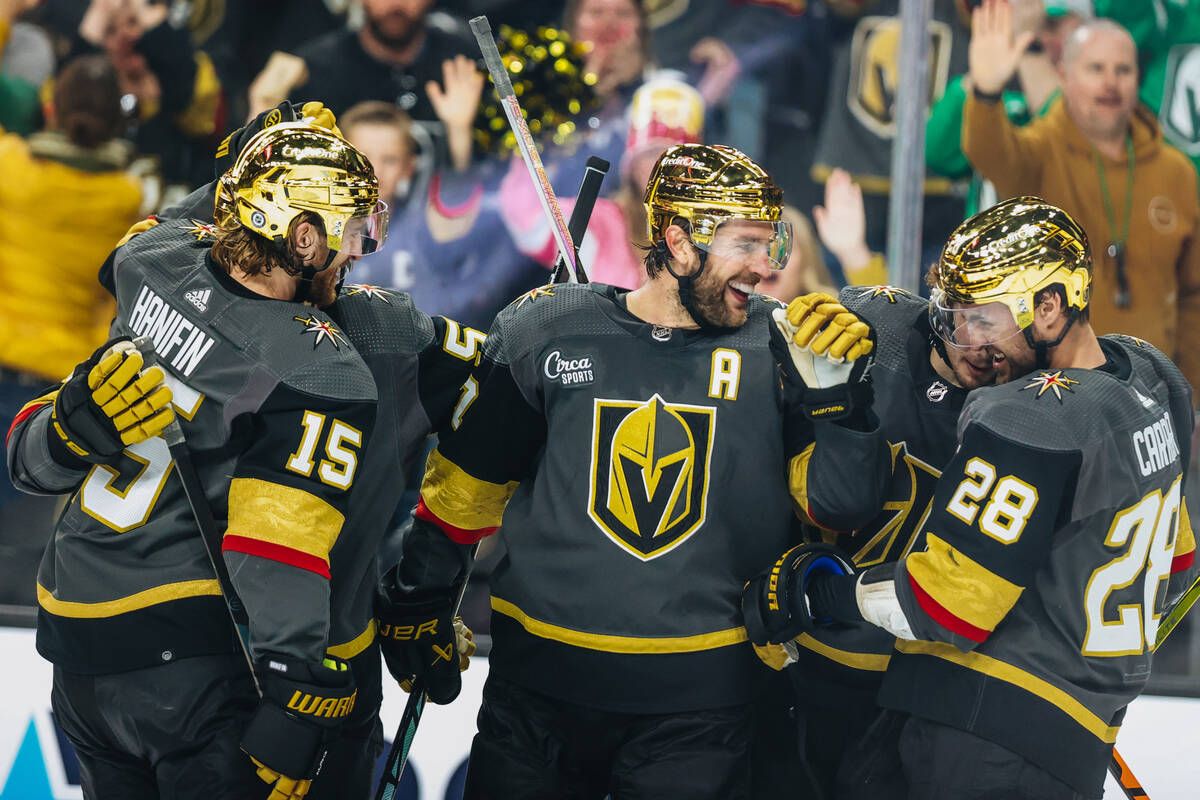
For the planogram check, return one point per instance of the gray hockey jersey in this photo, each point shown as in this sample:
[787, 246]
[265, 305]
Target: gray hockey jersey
[276, 405]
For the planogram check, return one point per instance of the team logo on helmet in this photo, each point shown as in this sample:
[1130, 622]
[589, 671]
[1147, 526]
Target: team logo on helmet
[649, 484]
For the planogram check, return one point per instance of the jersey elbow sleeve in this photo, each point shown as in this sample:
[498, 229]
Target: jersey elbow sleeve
[840, 480]
[466, 508]
[281, 523]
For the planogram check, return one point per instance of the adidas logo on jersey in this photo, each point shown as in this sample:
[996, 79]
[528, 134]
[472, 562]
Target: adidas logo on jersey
[1146, 401]
[198, 298]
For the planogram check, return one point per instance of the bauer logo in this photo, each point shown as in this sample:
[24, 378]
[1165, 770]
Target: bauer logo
[568, 371]
[649, 477]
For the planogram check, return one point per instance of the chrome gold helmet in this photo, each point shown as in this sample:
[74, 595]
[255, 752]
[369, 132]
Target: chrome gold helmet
[709, 184]
[294, 167]
[1006, 255]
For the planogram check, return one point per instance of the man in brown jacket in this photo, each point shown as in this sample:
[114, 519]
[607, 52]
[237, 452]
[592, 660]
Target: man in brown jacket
[1100, 155]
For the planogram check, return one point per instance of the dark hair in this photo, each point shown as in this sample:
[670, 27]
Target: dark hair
[658, 253]
[1061, 291]
[87, 101]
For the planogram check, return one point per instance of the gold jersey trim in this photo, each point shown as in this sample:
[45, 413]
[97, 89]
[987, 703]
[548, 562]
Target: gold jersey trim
[986, 665]
[965, 588]
[872, 662]
[798, 482]
[123, 605]
[620, 644]
[464, 501]
[282, 515]
[350, 649]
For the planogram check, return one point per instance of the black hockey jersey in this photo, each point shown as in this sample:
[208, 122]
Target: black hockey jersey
[420, 365]
[640, 475]
[1054, 534]
[276, 406]
[870, 491]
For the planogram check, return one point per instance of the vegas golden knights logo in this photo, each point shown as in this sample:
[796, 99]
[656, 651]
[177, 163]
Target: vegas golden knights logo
[649, 481]
[875, 70]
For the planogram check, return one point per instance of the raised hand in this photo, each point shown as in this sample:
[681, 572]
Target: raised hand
[994, 52]
[842, 221]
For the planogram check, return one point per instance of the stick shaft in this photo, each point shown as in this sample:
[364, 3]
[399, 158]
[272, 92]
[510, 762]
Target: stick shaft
[529, 153]
[585, 201]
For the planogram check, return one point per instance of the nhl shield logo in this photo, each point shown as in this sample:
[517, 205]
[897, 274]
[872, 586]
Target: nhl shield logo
[1179, 114]
[649, 478]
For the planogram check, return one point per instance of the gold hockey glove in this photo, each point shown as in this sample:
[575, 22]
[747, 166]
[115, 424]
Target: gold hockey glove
[110, 403]
[302, 707]
[824, 351]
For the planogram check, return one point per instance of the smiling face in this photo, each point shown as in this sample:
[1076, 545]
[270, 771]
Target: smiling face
[983, 344]
[738, 258]
[1099, 80]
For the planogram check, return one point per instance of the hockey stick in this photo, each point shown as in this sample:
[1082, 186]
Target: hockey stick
[407, 729]
[589, 190]
[202, 513]
[1120, 770]
[529, 153]
[397, 757]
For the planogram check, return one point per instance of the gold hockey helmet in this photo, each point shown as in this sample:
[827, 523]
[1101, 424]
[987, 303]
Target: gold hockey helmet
[294, 167]
[708, 185]
[1006, 254]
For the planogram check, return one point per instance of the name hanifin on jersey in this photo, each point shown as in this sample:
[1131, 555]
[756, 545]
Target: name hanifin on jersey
[176, 340]
[1154, 446]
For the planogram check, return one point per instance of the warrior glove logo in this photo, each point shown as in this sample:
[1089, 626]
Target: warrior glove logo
[649, 482]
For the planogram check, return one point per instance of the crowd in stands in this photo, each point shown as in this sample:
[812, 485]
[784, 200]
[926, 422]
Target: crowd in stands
[111, 109]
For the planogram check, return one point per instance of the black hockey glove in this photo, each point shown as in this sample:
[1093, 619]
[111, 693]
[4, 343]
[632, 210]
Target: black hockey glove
[825, 353]
[302, 707]
[233, 144]
[421, 638]
[775, 604]
[107, 404]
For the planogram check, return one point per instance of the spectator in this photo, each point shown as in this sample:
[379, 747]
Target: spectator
[64, 203]
[1084, 156]
[393, 57]
[842, 226]
[18, 94]
[178, 103]
[859, 120]
[1035, 86]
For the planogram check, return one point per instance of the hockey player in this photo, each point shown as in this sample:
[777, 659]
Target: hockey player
[1026, 614]
[277, 408]
[621, 436]
[868, 480]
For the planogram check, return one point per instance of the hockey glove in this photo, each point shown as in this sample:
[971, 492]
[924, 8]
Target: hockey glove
[233, 144]
[303, 705]
[824, 351]
[109, 403]
[420, 639]
[775, 604]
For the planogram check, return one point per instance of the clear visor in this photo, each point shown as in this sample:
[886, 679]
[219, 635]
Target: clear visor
[970, 327]
[750, 241]
[365, 234]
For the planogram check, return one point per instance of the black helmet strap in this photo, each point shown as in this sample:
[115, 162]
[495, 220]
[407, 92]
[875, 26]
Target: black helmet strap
[1042, 349]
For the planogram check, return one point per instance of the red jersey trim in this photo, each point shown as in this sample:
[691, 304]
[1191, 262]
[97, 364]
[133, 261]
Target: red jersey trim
[945, 618]
[276, 552]
[457, 535]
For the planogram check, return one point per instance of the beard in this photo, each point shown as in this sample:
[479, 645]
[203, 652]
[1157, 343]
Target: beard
[395, 29]
[708, 301]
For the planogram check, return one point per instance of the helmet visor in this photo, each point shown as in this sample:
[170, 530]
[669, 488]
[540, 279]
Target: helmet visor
[365, 234]
[970, 326]
[751, 241]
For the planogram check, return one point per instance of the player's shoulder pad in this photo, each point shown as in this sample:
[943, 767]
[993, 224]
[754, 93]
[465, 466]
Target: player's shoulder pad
[1046, 409]
[380, 320]
[1151, 364]
[315, 356]
[541, 314]
[892, 314]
